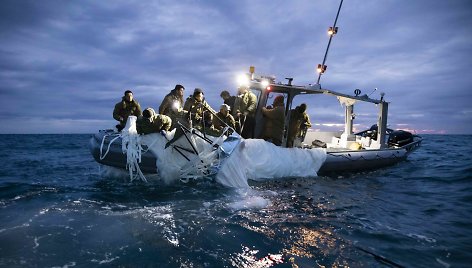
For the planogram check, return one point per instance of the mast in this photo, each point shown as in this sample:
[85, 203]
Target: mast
[382, 124]
[332, 32]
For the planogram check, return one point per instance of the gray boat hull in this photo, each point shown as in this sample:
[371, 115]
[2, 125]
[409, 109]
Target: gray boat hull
[362, 160]
[115, 156]
[337, 161]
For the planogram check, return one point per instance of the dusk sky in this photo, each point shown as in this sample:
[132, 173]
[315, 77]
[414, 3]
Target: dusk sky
[64, 64]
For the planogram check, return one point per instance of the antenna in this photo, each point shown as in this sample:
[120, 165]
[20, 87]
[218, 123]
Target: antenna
[375, 89]
[331, 31]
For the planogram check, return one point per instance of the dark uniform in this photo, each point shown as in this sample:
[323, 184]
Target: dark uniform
[153, 124]
[299, 123]
[195, 110]
[220, 124]
[246, 104]
[123, 109]
[172, 106]
[209, 129]
[274, 124]
[212, 131]
[230, 102]
[228, 99]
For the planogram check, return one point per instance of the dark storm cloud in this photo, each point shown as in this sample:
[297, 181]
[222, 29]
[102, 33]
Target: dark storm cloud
[64, 64]
[416, 53]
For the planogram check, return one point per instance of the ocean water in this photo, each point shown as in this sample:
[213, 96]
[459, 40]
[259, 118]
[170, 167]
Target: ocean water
[57, 209]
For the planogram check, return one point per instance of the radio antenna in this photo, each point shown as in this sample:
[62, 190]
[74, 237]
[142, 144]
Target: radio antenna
[332, 31]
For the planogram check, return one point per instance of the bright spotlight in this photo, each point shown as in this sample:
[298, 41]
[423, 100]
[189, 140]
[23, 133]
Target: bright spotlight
[243, 80]
[264, 83]
[176, 105]
[321, 68]
[332, 30]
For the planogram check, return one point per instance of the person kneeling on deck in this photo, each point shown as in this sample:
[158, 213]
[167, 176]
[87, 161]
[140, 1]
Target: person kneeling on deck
[150, 122]
[194, 108]
[223, 118]
[196, 105]
[275, 121]
[299, 124]
[207, 126]
[126, 107]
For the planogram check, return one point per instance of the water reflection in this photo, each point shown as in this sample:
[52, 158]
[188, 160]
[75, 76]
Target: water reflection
[248, 258]
[297, 224]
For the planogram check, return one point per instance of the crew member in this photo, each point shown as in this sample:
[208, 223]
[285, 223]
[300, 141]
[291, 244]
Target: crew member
[223, 118]
[299, 124]
[196, 105]
[126, 107]
[207, 126]
[275, 121]
[228, 99]
[244, 111]
[172, 105]
[150, 122]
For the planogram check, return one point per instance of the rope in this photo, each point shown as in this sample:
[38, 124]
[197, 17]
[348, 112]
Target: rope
[377, 156]
[131, 145]
[102, 156]
[206, 163]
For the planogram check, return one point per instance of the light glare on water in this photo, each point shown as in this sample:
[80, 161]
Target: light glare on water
[58, 211]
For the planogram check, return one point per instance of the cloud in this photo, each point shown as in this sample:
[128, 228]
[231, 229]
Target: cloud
[71, 61]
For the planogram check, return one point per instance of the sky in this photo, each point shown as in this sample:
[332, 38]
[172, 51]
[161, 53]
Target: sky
[64, 64]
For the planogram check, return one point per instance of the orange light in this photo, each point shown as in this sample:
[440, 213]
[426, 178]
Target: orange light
[321, 68]
[268, 88]
[332, 30]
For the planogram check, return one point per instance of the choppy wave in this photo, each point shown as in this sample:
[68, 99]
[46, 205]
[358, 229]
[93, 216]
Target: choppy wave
[58, 211]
